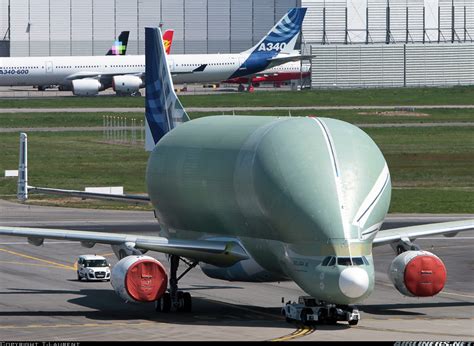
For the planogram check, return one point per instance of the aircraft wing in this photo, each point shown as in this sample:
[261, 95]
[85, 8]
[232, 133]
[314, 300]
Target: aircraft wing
[279, 59]
[197, 69]
[220, 253]
[84, 74]
[104, 77]
[410, 233]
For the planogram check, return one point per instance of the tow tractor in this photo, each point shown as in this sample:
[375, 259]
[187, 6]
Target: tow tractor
[309, 310]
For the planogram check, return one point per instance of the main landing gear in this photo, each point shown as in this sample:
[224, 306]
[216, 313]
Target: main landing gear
[173, 299]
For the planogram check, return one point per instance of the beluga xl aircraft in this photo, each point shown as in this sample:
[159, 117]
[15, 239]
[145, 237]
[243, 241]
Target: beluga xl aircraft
[244, 198]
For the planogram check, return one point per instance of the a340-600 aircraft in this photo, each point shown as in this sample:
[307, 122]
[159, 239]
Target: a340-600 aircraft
[87, 75]
[252, 198]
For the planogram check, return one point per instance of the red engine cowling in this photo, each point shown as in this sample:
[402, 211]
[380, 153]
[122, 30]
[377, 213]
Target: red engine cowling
[417, 274]
[139, 279]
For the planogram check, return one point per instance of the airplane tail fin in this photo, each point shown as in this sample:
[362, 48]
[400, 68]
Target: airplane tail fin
[164, 111]
[168, 39]
[282, 37]
[120, 45]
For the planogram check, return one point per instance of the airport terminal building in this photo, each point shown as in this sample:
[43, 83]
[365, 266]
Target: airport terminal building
[355, 43]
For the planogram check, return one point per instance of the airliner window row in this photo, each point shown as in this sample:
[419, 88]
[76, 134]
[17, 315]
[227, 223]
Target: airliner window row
[216, 63]
[127, 65]
[18, 67]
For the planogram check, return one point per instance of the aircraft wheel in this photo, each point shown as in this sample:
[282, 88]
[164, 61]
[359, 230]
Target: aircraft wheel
[164, 303]
[241, 88]
[304, 316]
[353, 322]
[79, 278]
[187, 302]
[322, 315]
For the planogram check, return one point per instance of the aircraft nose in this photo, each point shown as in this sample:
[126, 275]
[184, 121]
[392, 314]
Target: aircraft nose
[353, 282]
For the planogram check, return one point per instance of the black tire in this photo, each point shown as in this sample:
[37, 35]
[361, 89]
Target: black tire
[187, 302]
[322, 315]
[353, 322]
[304, 316]
[79, 278]
[332, 316]
[164, 303]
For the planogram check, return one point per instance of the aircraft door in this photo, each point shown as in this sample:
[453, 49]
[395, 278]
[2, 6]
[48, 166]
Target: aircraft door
[49, 66]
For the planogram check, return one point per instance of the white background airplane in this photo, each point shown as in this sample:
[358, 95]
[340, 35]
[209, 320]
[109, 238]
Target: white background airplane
[88, 75]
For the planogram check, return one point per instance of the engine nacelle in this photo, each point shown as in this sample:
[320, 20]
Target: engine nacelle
[417, 274]
[126, 84]
[86, 87]
[139, 279]
[247, 270]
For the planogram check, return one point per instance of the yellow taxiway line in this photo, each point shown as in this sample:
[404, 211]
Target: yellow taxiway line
[299, 333]
[56, 264]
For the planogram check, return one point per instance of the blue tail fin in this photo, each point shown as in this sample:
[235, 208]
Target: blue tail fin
[163, 110]
[280, 39]
[120, 46]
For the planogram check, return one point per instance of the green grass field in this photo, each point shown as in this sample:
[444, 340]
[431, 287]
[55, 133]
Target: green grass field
[431, 168]
[357, 116]
[461, 95]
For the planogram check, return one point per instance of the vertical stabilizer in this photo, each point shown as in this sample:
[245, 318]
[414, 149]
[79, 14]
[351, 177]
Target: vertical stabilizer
[280, 40]
[120, 45]
[22, 192]
[282, 37]
[168, 40]
[163, 110]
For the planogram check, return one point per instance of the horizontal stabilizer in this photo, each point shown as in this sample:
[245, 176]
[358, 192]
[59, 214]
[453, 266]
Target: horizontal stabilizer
[281, 59]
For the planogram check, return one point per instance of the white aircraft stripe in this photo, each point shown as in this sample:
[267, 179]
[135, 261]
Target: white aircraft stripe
[370, 200]
[337, 178]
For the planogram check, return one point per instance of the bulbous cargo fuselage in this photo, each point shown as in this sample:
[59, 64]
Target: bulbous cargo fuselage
[293, 190]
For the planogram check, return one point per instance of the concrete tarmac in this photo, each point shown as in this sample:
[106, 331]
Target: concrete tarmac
[41, 299]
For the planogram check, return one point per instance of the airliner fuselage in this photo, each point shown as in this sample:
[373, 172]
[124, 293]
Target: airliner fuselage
[193, 68]
[305, 196]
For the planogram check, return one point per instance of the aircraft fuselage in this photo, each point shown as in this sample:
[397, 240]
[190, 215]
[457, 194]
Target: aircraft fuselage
[293, 191]
[62, 70]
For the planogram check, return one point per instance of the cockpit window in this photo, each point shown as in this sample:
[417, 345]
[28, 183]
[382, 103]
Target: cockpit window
[332, 261]
[326, 261]
[346, 261]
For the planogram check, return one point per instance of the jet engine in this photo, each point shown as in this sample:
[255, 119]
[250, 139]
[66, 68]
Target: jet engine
[126, 84]
[417, 274]
[86, 87]
[139, 279]
[247, 270]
